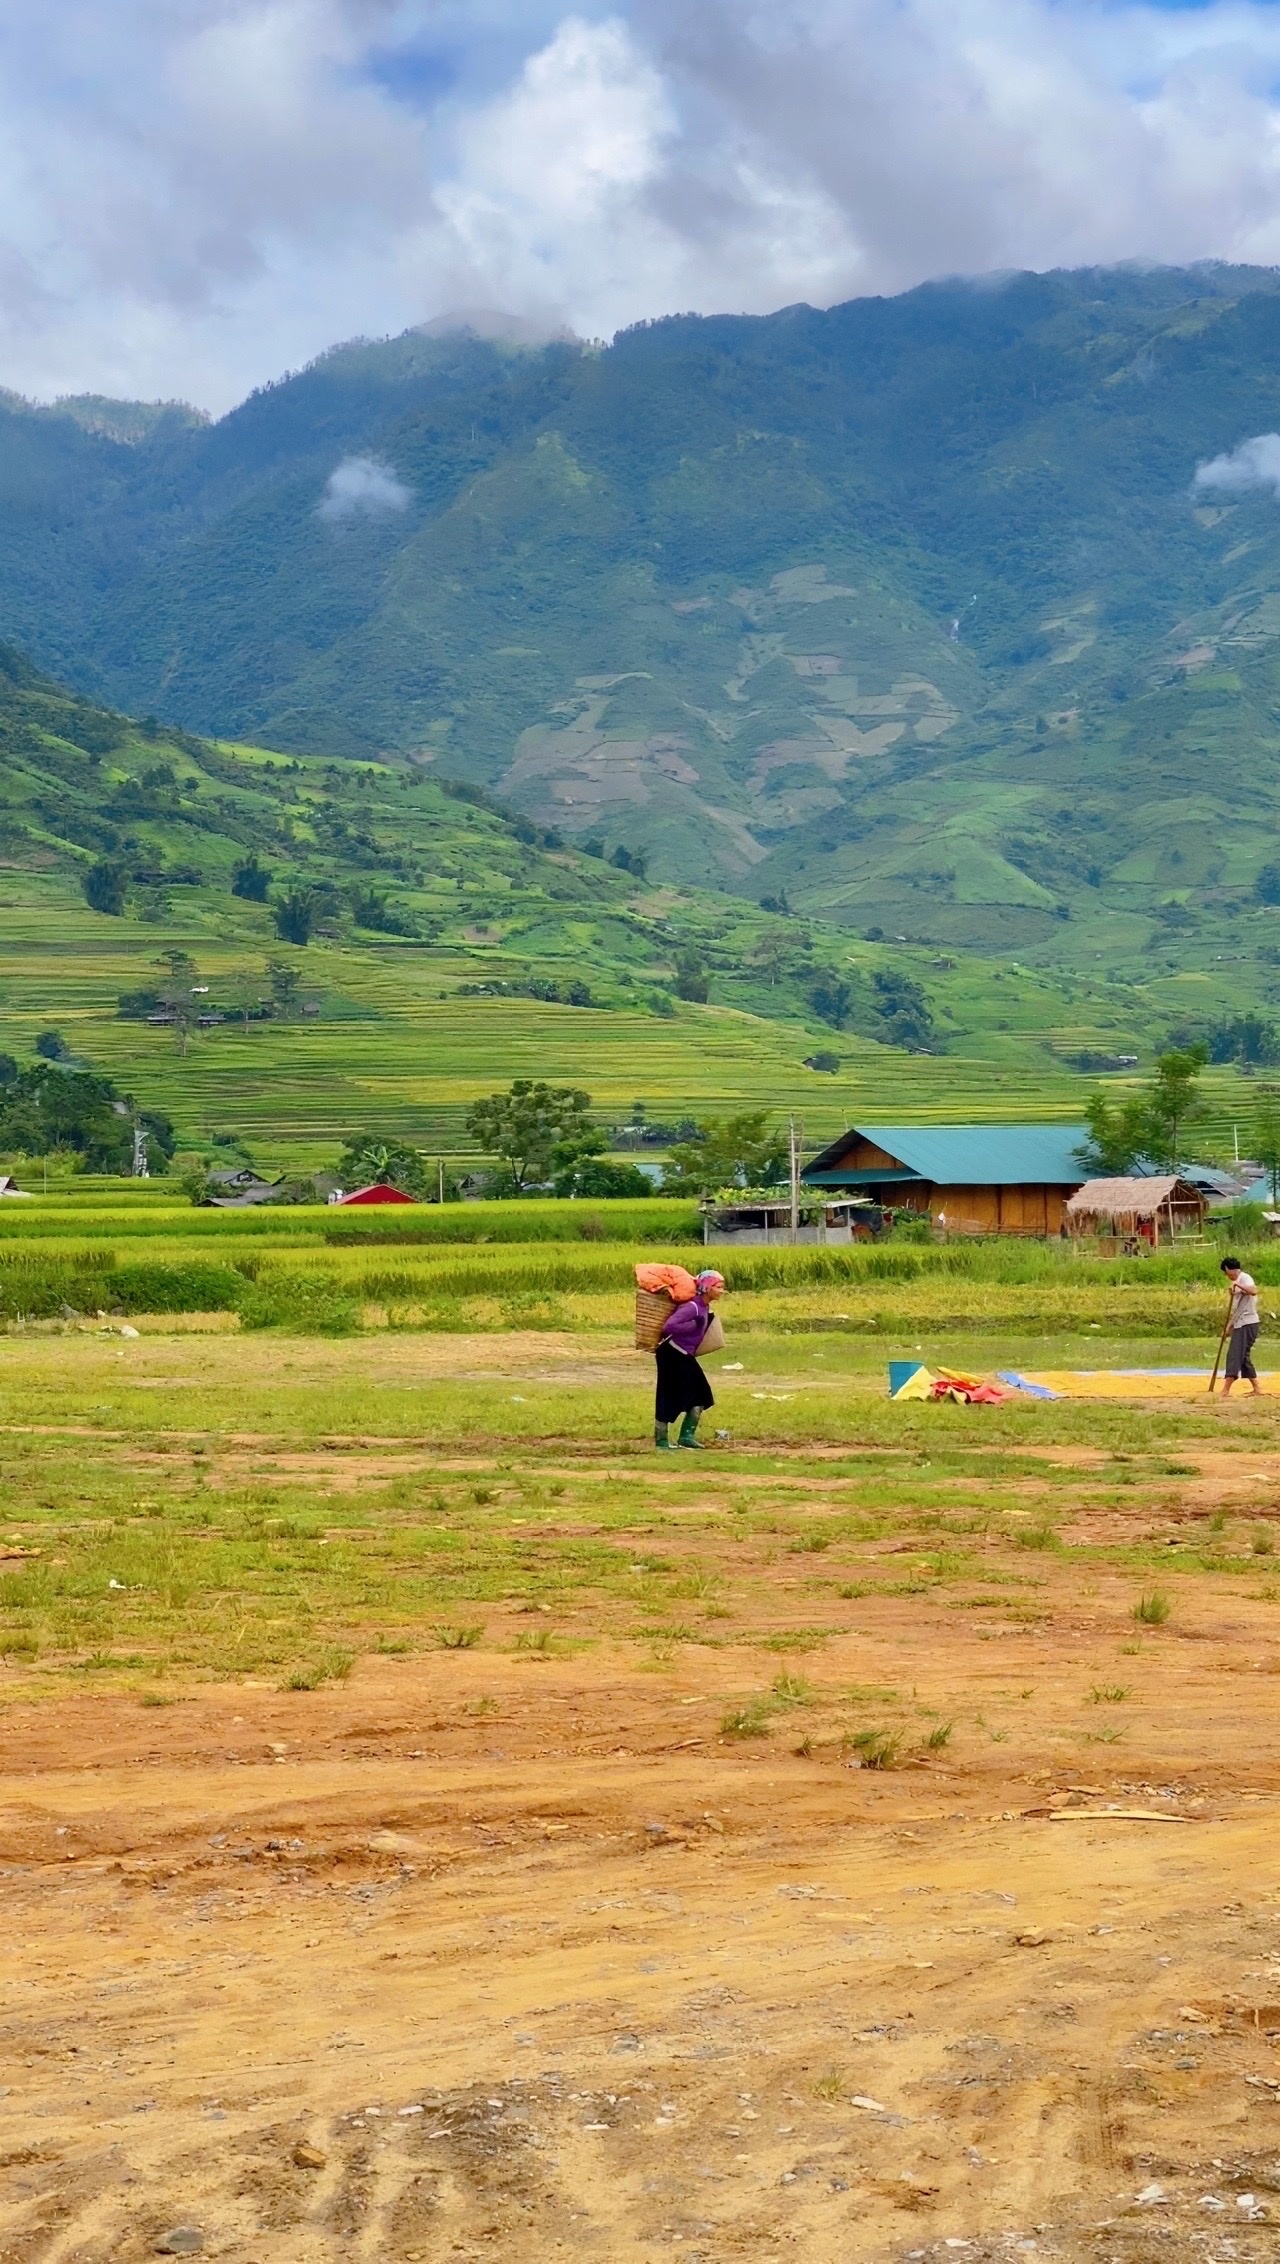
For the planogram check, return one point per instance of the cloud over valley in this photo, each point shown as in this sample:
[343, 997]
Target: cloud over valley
[196, 197]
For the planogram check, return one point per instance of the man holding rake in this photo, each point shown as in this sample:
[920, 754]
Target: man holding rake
[1241, 1327]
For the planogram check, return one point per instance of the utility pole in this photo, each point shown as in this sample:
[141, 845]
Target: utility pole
[440, 1167]
[796, 1134]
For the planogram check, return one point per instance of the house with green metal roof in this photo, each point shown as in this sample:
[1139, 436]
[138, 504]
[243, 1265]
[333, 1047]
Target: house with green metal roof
[969, 1178]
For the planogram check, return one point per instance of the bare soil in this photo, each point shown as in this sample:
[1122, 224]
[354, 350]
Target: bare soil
[482, 1956]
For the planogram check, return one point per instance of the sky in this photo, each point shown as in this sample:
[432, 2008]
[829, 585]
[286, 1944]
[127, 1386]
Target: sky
[198, 195]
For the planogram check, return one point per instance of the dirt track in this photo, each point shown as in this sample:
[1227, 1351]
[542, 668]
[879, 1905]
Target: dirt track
[573, 1974]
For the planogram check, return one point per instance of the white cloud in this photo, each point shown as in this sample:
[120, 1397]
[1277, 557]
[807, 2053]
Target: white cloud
[1255, 463]
[362, 488]
[197, 194]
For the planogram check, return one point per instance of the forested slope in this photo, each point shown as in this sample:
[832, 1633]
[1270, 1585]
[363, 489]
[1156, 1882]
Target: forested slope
[905, 613]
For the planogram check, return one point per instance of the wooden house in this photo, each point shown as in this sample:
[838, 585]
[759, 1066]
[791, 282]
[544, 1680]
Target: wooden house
[968, 1178]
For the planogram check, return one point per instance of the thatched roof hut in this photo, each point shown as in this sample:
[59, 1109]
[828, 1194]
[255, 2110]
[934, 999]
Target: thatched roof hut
[1155, 1210]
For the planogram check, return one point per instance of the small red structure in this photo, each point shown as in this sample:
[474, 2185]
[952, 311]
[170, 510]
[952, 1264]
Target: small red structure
[380, 1193]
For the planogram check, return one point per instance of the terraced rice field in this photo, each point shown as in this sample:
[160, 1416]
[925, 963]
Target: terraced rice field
[396, 1051]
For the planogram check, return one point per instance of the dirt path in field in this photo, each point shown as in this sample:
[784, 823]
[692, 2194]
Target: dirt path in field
[471, 1958]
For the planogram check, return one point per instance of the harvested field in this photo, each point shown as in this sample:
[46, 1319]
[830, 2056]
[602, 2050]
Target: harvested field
[434, 1827]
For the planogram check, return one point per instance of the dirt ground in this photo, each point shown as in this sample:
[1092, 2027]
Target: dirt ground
[489, 1955]
[365, 1972]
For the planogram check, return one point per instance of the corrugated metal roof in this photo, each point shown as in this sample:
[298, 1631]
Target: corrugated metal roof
[972, 1155]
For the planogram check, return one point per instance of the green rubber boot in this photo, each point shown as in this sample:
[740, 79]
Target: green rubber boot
[661, 1441]
[689, 1431]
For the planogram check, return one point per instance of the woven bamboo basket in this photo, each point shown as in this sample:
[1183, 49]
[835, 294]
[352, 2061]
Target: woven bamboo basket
[652, 1308]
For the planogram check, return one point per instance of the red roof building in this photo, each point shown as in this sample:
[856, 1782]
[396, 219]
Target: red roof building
[377, 1194]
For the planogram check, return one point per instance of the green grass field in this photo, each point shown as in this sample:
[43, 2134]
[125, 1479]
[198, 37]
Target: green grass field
[278, 1506]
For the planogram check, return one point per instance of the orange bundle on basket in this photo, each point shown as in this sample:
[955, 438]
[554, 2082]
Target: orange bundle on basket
[659, 1289]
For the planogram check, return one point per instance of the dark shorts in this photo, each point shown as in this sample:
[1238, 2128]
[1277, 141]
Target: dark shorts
[682, 1386]
[1240, 1354]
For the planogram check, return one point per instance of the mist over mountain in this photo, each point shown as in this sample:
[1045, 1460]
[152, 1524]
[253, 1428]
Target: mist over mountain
[914, 611]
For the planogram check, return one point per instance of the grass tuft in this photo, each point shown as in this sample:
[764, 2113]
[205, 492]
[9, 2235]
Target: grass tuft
[876, 1748]
[330, 1665]
[1152, 1610]
[459, 1638]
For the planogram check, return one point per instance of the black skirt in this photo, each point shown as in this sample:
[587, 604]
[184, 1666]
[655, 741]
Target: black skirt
[682, 1384]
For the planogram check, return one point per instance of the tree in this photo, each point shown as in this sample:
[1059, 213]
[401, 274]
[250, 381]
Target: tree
[106, 887]
[737, 1151]
[1148, 1127]
[903, 1009]
[243, 995]
[251, 880]
[295, 915]
[692, 981]
[579, 1166]
[831, 997]
[772, 954]
[1264, 1137]
[1117, 1135]
[1267, 885]
[523, 1125]
[52, 1046]
[1248, 1039]
[370, 909]
[286, 981]
[191, 1173]
[367, 1161]
[1172, 1103]
[46, 1107]
[179, 993]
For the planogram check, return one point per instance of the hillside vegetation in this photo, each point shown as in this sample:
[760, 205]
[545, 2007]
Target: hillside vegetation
[905, 613]
[453, 947]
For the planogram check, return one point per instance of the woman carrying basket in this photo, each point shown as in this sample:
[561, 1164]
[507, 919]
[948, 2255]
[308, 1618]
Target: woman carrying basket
[682, 1385]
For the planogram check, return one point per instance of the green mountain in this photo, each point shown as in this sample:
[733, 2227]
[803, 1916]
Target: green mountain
[453, 946]
[906, 615]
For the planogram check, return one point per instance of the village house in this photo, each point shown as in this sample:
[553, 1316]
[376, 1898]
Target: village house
[968, 1178]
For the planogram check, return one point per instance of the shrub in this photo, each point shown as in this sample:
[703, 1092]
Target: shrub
[105, 888]
[251, 881]
[192, 1288]
[295, 915]
[301, 1304]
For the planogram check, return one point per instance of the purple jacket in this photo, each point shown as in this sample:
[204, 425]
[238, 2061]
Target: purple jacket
[686, 1325]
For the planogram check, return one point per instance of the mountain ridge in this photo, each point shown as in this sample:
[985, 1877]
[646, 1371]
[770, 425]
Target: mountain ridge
[902, 611]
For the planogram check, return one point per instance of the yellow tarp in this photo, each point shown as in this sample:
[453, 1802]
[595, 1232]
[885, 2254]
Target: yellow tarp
[1135, 1383]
